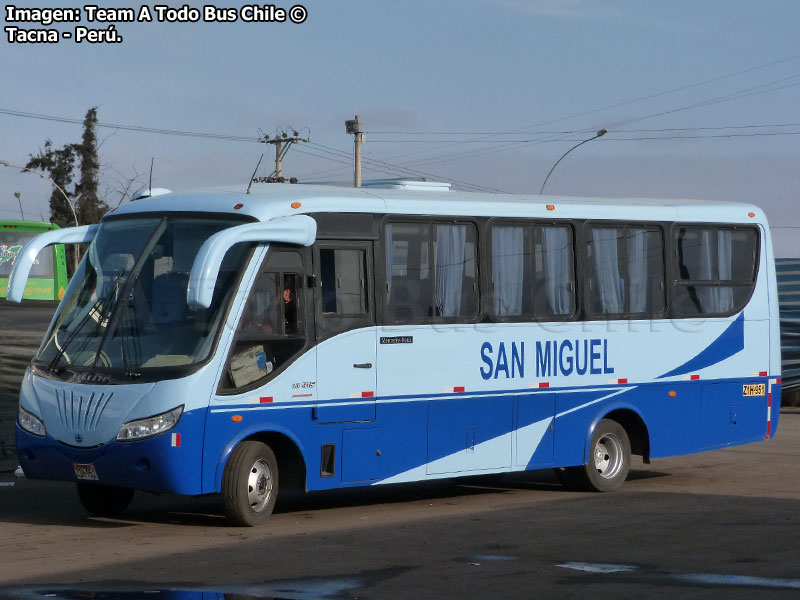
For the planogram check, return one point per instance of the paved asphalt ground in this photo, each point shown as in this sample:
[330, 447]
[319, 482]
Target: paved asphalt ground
[718, 524]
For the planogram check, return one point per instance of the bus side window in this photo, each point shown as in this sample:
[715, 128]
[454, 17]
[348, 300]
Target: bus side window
[626, 271]
[716, 269]
[271, 332]
[532, 271]
[431, 272]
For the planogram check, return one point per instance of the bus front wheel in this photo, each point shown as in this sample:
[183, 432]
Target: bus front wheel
[608, 464]
[250, 484]
[104, 500]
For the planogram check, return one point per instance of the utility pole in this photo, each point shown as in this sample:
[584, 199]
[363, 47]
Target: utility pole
[356, 128]
[278, 147]
[282, 142]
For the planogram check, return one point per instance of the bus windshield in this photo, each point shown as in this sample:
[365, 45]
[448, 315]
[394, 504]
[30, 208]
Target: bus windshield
[127, 311]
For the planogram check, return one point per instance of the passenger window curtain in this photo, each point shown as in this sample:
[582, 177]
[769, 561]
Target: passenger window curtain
[449, 263]
[557, 264]
[606, 268]
[715, 265]
[508, 253]
[637, 270]
[723, 296]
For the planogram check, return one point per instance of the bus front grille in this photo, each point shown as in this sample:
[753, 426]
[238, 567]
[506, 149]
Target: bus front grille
[81, 412]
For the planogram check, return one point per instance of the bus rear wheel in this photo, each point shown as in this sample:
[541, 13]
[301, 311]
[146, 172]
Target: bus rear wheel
[104, 500]
[608, 464]
[250, 484]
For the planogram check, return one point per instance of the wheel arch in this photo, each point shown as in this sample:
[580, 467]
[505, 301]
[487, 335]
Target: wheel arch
[632, 422]
[288, 452]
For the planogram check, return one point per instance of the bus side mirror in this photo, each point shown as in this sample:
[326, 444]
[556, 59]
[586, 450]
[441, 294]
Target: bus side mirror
[27, 256]
[295, 229]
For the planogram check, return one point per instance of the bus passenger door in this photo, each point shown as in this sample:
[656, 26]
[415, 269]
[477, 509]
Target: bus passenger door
[346, 353]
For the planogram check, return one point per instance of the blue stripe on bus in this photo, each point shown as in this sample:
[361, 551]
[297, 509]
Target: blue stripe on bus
[726, 345]
[219, 408]
[445, 435]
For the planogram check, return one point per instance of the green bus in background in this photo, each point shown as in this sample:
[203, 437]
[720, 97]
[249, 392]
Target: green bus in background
[48, 278]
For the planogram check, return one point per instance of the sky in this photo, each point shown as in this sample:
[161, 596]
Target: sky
[700, 98]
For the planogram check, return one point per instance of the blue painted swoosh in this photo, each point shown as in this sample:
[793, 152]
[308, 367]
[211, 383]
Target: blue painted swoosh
[726, 345]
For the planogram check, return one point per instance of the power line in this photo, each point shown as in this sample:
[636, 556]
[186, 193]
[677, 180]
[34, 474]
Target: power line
[670, 91]
[519, 143]
[611, 106]
[388, 170]
[401, 168]
[396, 168]
[743, 93]
[139, 128]
[747, 92]
[539, 141]
[566, 132]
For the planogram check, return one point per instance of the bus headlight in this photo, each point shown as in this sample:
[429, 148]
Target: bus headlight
[30, 423]
[145, 428]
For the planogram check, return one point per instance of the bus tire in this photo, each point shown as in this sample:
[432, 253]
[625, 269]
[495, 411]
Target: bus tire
[250, 484]
[608, 464]
[104, 500]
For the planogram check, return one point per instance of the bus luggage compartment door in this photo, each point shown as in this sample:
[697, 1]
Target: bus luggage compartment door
[469, 435]
[733, 413]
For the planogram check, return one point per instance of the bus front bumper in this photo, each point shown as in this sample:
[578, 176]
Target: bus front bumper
[166, 463]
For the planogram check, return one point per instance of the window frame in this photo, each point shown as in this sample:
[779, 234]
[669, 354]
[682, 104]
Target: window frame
[430, 221]
[306, 318]
[358, 320]
[675, 282]
[588, 272]
[531, 223]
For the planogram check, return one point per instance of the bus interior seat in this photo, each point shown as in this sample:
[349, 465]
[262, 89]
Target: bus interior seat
[408, 298]
[169, 298]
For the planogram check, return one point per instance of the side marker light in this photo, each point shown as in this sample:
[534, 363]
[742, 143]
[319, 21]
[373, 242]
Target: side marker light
[236, 418]
[238, 206]
[296, 205]
[672, 394]
[550, 207]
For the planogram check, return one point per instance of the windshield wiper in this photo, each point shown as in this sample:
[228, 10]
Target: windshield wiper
[96, 312]
[125, 292]
[132, 323]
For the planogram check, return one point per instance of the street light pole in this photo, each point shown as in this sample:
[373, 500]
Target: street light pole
[18, 196]
[600, 133]
[4, 163]
[355, 127]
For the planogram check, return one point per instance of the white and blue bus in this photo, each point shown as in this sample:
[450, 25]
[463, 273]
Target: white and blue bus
[225, 340]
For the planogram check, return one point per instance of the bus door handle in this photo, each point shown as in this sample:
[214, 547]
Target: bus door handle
[363, 365]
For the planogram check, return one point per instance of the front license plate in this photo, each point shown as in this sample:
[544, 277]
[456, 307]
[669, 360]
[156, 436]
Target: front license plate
[85, 472]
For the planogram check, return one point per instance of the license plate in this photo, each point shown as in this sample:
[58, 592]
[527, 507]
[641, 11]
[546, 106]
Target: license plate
[85, 472]
[754, 389]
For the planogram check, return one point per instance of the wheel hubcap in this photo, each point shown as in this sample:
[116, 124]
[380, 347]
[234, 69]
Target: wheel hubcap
[608, 456]
[259, 485]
